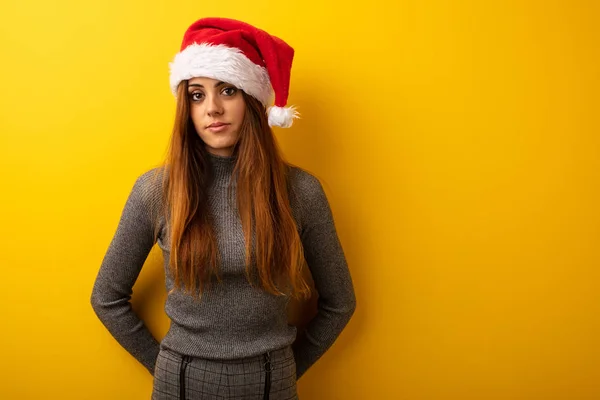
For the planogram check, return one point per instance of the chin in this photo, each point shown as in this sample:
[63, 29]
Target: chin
[220, 145]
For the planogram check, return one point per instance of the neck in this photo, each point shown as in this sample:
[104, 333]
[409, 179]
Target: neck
[222, 167]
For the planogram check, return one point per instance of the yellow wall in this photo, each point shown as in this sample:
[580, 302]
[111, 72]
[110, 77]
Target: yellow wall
[458, 142]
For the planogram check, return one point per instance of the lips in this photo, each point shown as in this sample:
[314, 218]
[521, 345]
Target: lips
[216, 124]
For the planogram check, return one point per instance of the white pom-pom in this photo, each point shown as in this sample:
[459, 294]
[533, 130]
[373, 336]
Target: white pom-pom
[282, 116]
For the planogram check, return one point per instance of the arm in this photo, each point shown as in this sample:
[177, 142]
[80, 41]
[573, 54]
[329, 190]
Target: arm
[118, 272]
[327, 263]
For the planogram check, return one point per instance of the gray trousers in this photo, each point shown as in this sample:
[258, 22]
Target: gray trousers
[267, 376]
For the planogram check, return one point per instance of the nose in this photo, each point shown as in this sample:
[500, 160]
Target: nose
[213, 105]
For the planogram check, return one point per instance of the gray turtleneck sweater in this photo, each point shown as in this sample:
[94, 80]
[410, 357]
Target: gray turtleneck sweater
[232, 320]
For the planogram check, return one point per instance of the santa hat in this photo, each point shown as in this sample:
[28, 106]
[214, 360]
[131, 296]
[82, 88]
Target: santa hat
[240, 54]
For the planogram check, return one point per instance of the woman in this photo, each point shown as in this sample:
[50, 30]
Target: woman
[235, 223]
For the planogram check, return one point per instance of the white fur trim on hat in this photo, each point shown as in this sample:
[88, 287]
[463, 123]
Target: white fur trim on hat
[224, 63]
[282, 116]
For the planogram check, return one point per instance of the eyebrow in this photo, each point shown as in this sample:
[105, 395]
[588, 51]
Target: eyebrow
[199, 85]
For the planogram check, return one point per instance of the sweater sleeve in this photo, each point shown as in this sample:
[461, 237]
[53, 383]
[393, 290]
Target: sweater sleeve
[325, 258]
[118, 272]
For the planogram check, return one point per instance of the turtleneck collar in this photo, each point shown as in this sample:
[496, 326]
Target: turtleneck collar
[222, 167]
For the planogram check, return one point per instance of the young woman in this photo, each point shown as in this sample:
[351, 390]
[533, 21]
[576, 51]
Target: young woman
[236, 224]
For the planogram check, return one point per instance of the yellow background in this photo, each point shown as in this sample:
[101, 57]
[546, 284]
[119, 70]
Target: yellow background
[458, 142]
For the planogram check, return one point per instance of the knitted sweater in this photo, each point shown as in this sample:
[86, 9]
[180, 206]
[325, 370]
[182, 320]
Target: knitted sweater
[233, 319]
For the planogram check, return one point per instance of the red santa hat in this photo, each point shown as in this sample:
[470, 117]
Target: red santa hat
[240, 54]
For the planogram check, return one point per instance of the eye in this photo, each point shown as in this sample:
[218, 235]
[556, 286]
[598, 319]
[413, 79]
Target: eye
[230, 90]
[194, 94]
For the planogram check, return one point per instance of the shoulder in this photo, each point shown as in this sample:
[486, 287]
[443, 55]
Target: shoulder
[148, 187]
[304, 183]
[307, 196]
[150, 176]
[150, 180]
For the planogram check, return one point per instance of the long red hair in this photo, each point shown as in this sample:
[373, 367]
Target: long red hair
[263, 200]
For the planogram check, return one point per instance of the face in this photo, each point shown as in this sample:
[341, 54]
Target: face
[218, 103]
